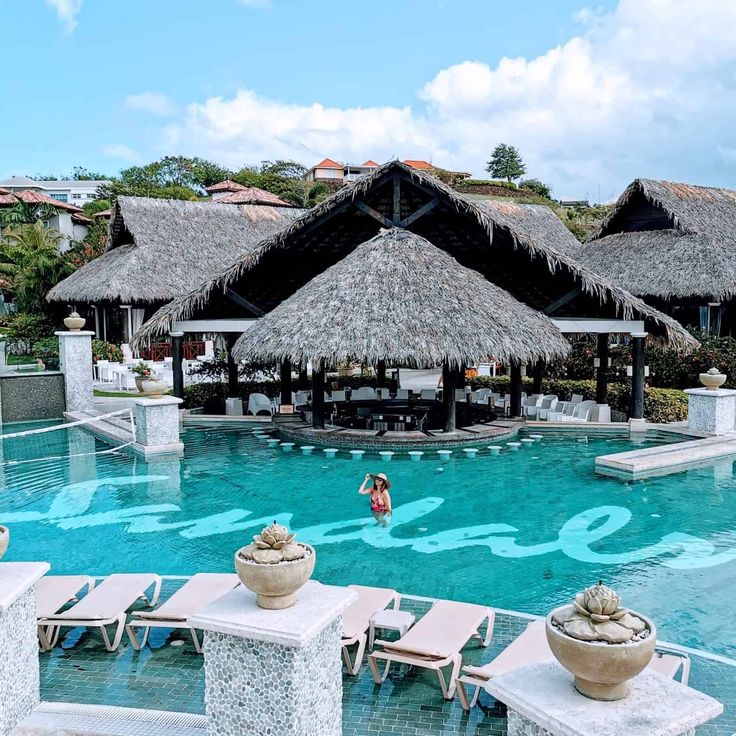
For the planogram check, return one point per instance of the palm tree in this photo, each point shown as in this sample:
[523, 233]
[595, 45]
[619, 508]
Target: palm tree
[30, 261]
[25, 213]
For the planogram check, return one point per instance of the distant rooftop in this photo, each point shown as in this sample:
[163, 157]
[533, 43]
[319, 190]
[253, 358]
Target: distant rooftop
[25, 181]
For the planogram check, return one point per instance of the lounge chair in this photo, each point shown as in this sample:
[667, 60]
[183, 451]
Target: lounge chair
[403, 394]
[531, 647]
[53, 592]
[357, 618]
[543, 405]
[105, 605]
[337, 396]
[258, 403]
[428, 394]
[364, 393]
[580, 412]
[200, 590]
[436, 641]
[383, 394]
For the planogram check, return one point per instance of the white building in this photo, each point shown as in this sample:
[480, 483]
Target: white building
[73, 192]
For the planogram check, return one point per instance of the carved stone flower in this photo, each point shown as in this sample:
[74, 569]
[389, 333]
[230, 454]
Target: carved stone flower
[273, 545]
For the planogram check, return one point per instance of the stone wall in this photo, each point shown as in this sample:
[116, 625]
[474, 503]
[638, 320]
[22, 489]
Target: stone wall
[27, 398]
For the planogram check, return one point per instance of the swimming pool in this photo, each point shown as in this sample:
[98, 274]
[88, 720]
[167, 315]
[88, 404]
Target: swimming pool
[523, 530]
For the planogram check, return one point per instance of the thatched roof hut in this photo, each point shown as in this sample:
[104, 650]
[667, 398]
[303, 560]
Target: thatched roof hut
[668, 241]
[523, 249]
[399, 298]
[161, 248]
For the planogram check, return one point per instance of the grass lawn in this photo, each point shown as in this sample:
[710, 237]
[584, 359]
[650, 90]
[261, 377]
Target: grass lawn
[116, 394]
[20, 359]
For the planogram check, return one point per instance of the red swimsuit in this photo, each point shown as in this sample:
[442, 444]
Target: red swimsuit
[377, 503]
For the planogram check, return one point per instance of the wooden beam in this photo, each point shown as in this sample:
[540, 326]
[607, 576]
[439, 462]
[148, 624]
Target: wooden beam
[361, 205]
[414, 216]
[397, 200]
[234, 297]
[564, 299]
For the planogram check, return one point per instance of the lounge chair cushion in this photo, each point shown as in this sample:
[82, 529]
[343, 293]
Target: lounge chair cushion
[55, 591]
[356, 618]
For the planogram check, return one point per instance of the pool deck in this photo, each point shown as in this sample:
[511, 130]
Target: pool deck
[168, 677]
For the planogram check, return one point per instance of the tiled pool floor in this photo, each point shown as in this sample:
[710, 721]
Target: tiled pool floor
[409, 703]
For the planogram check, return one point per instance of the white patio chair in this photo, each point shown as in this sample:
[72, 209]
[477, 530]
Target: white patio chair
[108, 371]
[580, 412]
[428, 394]
[544, 412]
[125, 378]
[127, 353]
[481, 396]
[99, 366]
[529, 405]
[259, 403]
[383, 394]
[576, 398]
[402, 394]
[542, 405]
[338, 395]
[364, 393]
[301, 398]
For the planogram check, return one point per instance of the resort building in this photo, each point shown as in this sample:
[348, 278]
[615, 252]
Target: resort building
[159, 249]
[673, 245]
[329, 170]
[76, 192]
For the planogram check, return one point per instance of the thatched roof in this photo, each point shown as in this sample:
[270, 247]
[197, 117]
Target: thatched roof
[160, 248]
[253, 195]
[398, 297]
[225, 186]
[668, 240]
[521, 248]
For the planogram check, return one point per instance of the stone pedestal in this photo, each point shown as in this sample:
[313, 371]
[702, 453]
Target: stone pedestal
[541, 701]
[19, 672]
[75, 362]
[711, 411]
[274, 672]
[157, 426]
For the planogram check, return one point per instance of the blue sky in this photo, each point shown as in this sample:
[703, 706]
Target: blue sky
[593, 96]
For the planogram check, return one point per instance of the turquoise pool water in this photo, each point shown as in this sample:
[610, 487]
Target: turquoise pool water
[522, 530]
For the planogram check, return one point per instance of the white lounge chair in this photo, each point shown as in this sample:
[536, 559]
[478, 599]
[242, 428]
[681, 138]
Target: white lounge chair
[258, 403]
[301, 398]
[428, 394]
[357, 618]
[383, 394]
[338, 396]
[580, 412]
[576, 398]
[460, 395]
[531, 647]
[364, 393]
[529, 405]
[403, 394]
[436, 641]
[53, 592]
[481, 396]
[200, 590]
[105, 605]
[543, 408]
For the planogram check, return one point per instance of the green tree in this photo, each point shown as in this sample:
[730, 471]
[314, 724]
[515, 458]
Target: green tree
[536, 186]
[31, 263]
[506, 162]
[25, 213]
[95, 206]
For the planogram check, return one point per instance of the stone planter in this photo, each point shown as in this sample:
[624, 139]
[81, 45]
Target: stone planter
[4, 539]
[712, 380]
[139, 383]
[601, 670]
[275, 585]
[74, 322]
[153, 389]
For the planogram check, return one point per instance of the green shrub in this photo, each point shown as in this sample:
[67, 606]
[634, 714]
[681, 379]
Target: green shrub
[664, 405]
[102, 350]
[23, 330]
[487, 183]
[47, 350]
[536, 186]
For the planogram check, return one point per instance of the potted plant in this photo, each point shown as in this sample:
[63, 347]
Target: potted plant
[153, 389]
[74, 322]
[275, 566]
[4, 539]
[142, 373]
[713, 379]
[601, 644]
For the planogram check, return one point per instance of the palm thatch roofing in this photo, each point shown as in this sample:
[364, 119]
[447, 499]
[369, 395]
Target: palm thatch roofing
[161, 248]
[523, 249]
[668, 240]
[399, 298]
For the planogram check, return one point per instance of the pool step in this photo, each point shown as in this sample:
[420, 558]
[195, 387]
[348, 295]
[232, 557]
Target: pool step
[73, 719]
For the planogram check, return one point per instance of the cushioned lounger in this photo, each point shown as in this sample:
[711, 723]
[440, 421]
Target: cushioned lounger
[53, 592]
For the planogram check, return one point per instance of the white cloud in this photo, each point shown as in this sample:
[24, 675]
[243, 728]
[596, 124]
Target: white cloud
[647, 89]
[121, 152]
[67, 12]
[155, 103]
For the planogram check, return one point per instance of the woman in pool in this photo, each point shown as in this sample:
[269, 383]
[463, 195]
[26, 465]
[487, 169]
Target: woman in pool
[380, 498]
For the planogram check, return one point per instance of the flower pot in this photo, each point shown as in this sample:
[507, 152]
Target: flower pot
[154, 389]
[275, 585]
[712, 381]
[139, 383]
[601, 670]
[4, 539]
[74, 323]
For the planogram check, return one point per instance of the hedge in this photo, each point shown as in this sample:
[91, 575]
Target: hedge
[661, 405]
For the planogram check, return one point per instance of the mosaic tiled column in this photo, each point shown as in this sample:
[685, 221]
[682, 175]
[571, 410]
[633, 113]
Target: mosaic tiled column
[19, 671]
[157, 426]
[75, 361]
[711, 411]
[274, 672]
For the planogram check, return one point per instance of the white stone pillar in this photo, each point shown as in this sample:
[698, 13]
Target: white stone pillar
[157, 426]
[711, 411]
[75, 361]
[19, 671]
[274, 672]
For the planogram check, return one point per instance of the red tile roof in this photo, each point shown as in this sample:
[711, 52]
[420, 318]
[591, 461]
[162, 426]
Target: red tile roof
[8, 200]
[328, 163]
[369, 163]
[418, 164]
[253, 195]
[226, 186]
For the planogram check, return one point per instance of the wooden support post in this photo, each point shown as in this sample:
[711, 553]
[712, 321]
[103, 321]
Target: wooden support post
[303, 378]
[177, 362]
[318, 397]
[397, 200]
[381, 374]
[636, 409]
[232, 368]
[449, 384]
[285, 370]
[515, 389]
[601, 372]
[538, 377]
